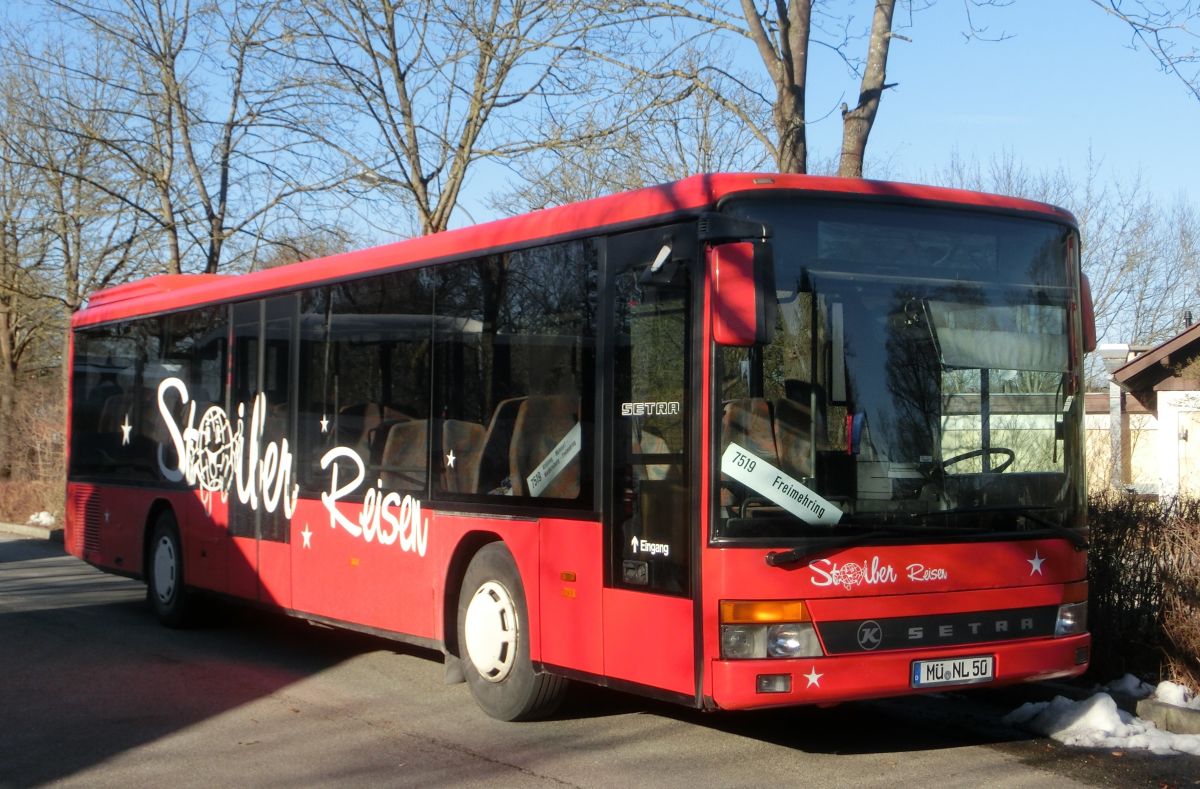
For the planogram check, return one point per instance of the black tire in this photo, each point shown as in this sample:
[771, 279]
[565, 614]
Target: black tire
[495, 653]
[165, 589]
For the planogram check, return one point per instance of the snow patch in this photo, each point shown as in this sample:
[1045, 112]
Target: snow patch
[43, 519]
[1130, 685]
[1172, 693]
[1097, 722]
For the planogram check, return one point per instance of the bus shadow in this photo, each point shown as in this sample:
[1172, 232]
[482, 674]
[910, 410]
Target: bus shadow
[87, 673]
[901, 725]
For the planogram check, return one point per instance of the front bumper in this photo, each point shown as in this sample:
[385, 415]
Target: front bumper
[829, 680]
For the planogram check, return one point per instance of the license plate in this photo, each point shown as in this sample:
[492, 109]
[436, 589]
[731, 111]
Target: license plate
[952, 671]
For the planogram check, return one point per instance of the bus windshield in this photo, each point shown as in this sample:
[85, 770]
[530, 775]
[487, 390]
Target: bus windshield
[921, 382]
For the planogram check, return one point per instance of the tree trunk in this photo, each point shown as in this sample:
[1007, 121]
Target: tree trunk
[789, 125]
[857, 122]
[7, 391]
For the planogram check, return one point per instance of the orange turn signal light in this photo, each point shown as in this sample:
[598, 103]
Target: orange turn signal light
[755, 612]
[1076, 592]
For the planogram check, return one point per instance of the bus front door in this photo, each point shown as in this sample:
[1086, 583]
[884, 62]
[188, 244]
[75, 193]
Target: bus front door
[648, 610]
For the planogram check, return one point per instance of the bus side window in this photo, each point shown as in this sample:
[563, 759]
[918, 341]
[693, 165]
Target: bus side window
[513, 375]
[114, 422]
[364, 372]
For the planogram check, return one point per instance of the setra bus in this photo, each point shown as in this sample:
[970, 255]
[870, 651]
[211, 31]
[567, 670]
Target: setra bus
[736, 441]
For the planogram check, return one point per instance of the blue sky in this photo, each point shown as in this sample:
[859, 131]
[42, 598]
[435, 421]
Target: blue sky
[1064, 84]
[1065, 81]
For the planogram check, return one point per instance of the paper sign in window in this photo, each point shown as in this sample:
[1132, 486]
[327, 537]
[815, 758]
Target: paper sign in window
[777, 486]
[566, 450]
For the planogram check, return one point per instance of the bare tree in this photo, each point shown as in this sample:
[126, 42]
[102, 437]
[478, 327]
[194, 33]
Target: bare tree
[1169, 32]
[783, 34]
[1136, 250]
[24, 248]
[858, 121]
[87, 199]
[201, 118]
[427, 90]
[674, 140]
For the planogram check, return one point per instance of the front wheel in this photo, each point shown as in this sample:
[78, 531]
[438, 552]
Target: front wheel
[493, 640]
[164, 573]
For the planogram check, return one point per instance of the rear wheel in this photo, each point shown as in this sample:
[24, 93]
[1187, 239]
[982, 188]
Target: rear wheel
[164, 573]
[493, 639]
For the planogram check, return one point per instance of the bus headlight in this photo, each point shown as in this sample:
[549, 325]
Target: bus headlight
[795, 639]
[767, 628]
[743, 641]
[1072, 619]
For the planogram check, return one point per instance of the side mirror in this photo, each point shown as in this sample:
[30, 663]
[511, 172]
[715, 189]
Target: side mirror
[1088, 309]
[744, 306]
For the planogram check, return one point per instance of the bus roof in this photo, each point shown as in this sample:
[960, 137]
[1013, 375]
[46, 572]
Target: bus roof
[167, 293]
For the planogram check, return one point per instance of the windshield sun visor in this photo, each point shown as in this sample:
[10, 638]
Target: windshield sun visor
[1005, 337]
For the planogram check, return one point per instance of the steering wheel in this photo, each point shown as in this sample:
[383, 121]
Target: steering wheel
[1009, 457]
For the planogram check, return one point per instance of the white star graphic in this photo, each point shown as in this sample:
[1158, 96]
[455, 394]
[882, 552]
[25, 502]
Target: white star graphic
[813, 677]
[307, 535]
[1035, 564]
[450, 459]
[125, 431]
[324, 423]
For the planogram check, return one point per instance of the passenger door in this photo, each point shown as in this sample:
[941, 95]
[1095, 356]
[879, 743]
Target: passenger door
[650, 513]
[263, 363]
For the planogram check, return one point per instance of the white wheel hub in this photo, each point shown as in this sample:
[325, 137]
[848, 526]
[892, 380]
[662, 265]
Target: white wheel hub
[165, 563]
[490, 630]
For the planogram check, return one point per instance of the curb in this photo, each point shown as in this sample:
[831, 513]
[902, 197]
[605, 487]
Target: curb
[1169, 717]
[31, 532]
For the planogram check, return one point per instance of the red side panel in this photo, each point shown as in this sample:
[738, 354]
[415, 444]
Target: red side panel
[106, 526]
[572, 561]
[205, 539]
[243, 567]
[341, 570]
[274, 574]
[648, 640]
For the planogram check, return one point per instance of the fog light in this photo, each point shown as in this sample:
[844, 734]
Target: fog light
[743, 641]
[1081, 655]
[1072, 619]
[773, 683]
[795, 639]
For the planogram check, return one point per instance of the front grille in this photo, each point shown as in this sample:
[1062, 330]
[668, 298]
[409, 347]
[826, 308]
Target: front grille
[937, 630]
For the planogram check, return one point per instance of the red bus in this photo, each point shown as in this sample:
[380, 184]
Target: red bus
[737, 441]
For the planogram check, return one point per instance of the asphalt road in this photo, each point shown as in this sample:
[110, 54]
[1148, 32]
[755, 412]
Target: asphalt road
[94, 693]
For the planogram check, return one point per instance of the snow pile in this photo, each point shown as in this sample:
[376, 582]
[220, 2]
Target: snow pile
[1098, 722]
[43, 519]
[1180, 696]
[1130, 685]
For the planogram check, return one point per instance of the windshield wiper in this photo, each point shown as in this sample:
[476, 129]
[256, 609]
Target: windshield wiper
[798, 554]
[1071, 535]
